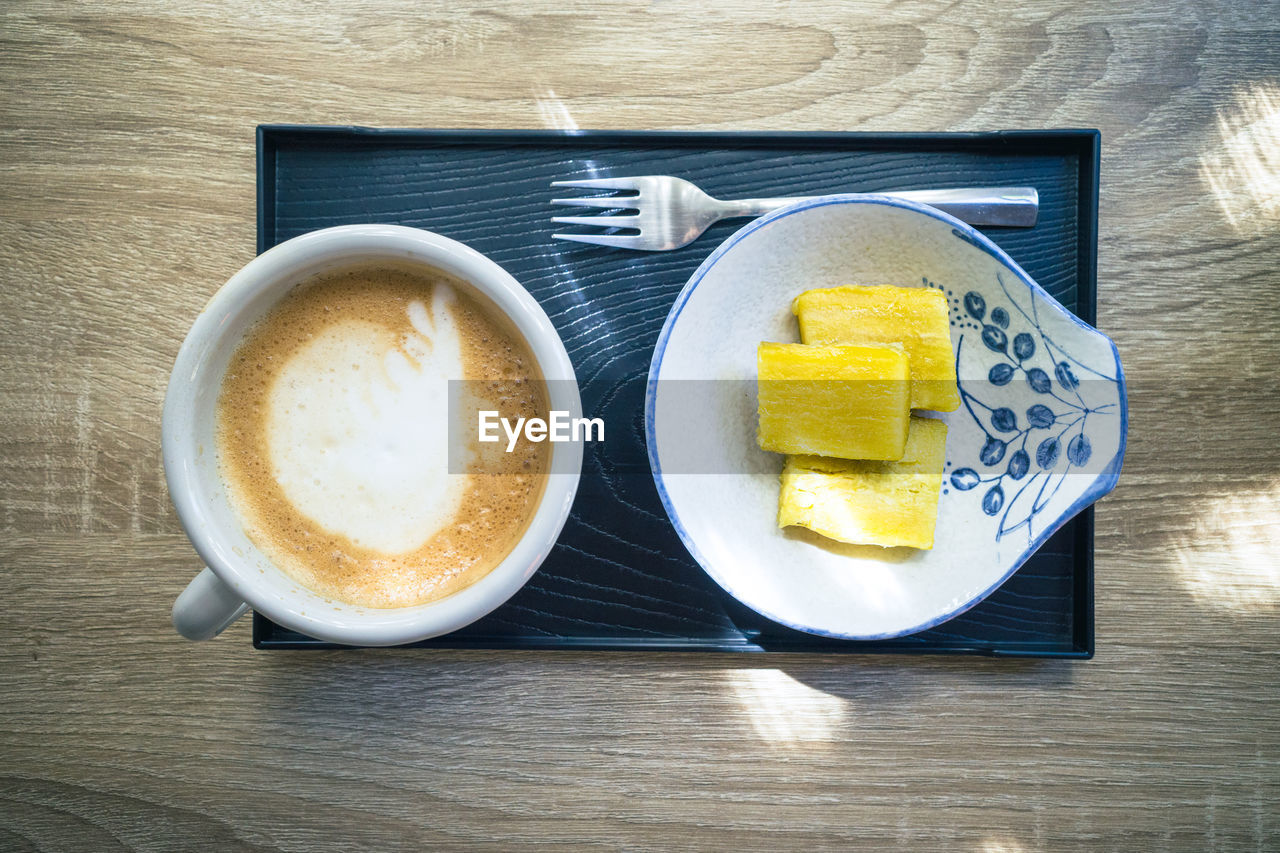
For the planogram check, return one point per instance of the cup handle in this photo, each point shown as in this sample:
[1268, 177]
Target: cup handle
[206, 607]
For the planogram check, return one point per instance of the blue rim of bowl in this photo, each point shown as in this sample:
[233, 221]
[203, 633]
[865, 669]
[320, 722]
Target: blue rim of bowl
[1105, 482]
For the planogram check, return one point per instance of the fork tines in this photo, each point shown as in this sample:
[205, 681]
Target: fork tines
[601, 184]
[604, 202]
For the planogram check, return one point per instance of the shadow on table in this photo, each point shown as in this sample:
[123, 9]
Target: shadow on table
[378, 695]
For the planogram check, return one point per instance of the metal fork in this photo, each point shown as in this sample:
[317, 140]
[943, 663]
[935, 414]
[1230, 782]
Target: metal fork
[671, 212]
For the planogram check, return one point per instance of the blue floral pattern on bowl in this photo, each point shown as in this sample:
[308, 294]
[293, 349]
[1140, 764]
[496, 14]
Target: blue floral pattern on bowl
[1026, 455]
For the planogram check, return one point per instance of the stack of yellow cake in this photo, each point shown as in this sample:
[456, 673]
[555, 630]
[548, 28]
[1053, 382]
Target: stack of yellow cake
[860, 468]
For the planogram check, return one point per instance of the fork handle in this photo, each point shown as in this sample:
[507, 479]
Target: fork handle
[1015, 207]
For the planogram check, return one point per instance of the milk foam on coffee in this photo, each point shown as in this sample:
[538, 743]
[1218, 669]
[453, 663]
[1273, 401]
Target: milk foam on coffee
[356, 433]
[333, 432]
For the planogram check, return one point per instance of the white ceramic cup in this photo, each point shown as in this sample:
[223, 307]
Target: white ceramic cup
[239, 576]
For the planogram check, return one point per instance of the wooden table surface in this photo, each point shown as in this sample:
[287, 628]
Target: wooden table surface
[127, 198]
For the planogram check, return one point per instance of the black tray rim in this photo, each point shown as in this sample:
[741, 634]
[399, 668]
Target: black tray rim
[1083, 143]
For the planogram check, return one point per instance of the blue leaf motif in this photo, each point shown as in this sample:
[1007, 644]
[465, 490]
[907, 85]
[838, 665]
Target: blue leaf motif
[1079, 450]
[1023, 346]
[1001, 374]
[995, 339]
[1039, 381]
[993, 500]
[1040, 416]
[1019, 462]
[992, 451]
[1004, 420]
[964, 479]
[1066, 378]
[1000, 317]
[1047, 453]
[975, 305]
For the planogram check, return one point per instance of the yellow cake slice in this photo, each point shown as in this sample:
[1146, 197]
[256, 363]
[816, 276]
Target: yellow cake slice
[915, 317]
[869, 503]
[851, 402]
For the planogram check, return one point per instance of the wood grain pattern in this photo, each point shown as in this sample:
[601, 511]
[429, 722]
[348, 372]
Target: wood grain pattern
[128, 196]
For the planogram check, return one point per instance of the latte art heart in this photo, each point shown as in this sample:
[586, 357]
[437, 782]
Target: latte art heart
[333, 437]
[356, 437]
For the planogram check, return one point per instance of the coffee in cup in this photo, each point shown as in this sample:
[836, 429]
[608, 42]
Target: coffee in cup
[350, 333]
[333, 431]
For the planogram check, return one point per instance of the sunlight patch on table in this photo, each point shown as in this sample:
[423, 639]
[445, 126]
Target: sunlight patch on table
[554, 113]
[1001, 845]
[784, 711]
[1243, 168]
[1228, 558]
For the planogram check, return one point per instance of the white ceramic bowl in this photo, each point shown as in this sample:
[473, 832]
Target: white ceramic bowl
[238, 572]
[1040, 436]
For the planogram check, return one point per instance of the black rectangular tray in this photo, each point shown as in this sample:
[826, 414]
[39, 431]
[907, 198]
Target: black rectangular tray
[619, 578]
